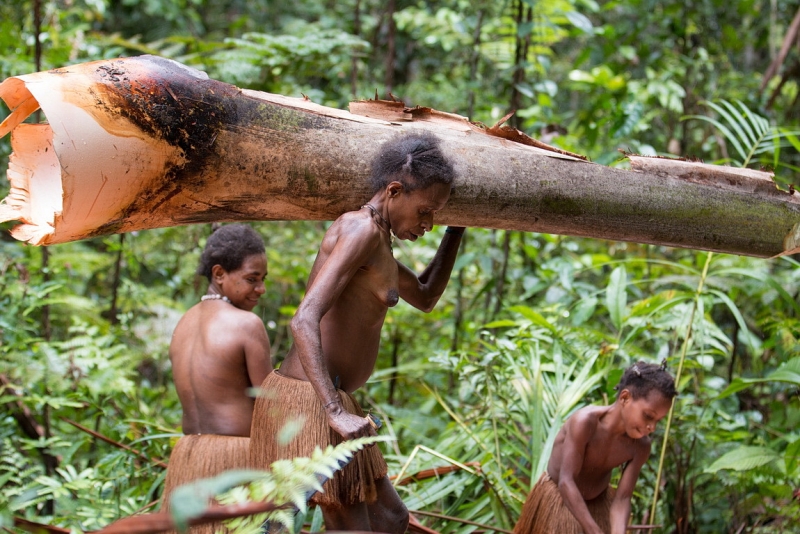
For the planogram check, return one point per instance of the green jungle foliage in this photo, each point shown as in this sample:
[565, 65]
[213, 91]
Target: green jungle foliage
[531, 327]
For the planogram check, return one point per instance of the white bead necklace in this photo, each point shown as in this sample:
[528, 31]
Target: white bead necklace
[215, 297]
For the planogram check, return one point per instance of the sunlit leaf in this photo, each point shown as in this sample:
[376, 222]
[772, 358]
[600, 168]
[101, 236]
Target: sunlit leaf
[788, 373]
[616, 296]
[743, 459]
[580, 21]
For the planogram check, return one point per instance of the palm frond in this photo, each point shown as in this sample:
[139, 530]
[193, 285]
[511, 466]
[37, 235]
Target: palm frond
[749, 133]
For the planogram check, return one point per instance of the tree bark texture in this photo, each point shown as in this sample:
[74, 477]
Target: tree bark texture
[146, 142]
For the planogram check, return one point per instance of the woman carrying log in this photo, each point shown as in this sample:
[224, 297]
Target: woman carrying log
[355, 279]
[218, 351]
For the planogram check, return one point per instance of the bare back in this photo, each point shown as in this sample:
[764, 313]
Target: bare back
[587, 447]
[350, 329]
[218, 351]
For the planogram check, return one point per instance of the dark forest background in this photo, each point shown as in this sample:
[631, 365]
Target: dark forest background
[531, 327]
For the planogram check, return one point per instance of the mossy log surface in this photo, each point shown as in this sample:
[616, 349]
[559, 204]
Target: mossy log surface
[146, 142]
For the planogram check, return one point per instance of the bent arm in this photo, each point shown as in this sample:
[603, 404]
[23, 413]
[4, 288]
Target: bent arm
[621, 505]
[579, 432]
[349, 253]
[424, 291]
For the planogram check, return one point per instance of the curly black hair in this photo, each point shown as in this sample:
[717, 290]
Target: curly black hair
[414, 159]
[228, 247]
[642, 378]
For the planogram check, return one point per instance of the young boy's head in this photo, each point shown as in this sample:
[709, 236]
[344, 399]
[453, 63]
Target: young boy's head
[645, 393]
[642, 378]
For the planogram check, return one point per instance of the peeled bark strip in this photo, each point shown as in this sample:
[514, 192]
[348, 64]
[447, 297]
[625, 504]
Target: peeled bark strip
[146, 142]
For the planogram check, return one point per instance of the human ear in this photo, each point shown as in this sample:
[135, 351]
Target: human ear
[216, 272]
[394, 188]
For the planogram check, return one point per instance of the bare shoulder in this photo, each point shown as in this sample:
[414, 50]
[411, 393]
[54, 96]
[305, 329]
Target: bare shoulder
[187, 324]
[585, 419]
[353, 228]
[242, 319]
[356, 222]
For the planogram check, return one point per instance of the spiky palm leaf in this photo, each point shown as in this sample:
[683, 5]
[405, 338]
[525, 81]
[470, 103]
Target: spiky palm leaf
[510, 408]
[750, 134]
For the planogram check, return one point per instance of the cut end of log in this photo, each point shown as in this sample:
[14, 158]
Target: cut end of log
[93, 142]
[35, 202]
[19, 100]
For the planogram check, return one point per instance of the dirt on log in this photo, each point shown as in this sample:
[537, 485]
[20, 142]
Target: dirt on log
[146, 142]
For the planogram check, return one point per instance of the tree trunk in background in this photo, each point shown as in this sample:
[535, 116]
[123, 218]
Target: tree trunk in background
[524, 16]
[116, 281]
[501, 276]
[390, 45]
[475, 56]
[146, 142]
[354, 60]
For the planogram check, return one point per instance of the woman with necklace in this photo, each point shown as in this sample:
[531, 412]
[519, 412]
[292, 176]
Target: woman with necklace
[219, 350]
[355, 279]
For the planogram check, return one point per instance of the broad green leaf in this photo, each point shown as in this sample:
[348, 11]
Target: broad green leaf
[502, 323]
[616, 296]
[788, 373]
[583, 310]
[792, 457]
[661, 301]
[580, 21]
[743, 459]
[581, 76]
[534, 316]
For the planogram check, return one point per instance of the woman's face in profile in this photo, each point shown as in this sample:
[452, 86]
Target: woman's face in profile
[411, 213]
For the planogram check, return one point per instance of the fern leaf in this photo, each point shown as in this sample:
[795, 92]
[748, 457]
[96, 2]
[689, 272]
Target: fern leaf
[760, 124]
[287, 482]
[748, 132]
[735, 136]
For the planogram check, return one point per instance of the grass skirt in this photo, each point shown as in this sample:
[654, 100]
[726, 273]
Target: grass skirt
[283, 400]
[544, 511]
[203, 456]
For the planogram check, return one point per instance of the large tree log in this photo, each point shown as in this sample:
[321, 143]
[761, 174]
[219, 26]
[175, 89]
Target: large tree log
[146, 142]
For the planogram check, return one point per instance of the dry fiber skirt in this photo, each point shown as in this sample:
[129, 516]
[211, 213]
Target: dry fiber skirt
[544, 511]
[203, 456]
[283, 400]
